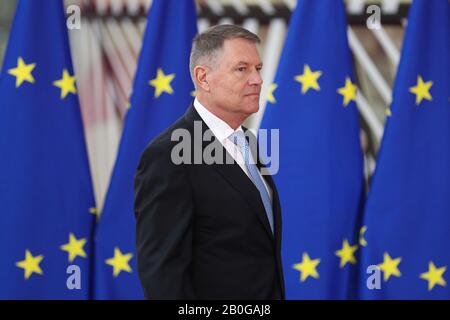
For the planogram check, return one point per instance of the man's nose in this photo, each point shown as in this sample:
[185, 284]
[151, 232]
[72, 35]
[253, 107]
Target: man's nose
[255, 78]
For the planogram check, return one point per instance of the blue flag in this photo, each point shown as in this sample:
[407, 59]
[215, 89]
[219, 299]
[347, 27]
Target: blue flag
[161, 93]
[320, 179]
[407, 216]
[46, 191]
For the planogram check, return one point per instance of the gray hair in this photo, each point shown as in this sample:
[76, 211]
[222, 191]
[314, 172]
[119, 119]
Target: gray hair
[207, 44]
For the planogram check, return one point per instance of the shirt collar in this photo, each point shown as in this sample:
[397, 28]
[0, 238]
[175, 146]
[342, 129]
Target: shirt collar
[219, 128]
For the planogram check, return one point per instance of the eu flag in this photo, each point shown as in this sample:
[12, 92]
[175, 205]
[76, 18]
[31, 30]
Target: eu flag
[161, 93]
[320, 177]
[407, 216]
[46, 192]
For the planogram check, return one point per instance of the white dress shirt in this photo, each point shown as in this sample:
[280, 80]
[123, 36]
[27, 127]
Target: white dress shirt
[222, 131]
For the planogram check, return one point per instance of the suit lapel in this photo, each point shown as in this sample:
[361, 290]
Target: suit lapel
[246, 189]
[275, 205]
[277, 227]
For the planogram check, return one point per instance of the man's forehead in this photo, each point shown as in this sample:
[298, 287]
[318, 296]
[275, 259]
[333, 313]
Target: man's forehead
[241, 51]
[239, 43]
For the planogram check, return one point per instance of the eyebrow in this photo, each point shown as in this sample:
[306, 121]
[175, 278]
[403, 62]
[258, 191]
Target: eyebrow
[246, 63]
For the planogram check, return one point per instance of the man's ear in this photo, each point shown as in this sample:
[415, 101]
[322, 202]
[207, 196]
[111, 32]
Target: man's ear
[200, 77]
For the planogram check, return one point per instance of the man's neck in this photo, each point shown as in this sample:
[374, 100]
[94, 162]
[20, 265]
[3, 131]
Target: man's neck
[232, 119]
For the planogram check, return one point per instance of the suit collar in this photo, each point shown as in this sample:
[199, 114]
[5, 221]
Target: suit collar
[219, 128]
[191, 114]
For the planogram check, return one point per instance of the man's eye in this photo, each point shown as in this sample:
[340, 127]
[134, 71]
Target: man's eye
[241, 69]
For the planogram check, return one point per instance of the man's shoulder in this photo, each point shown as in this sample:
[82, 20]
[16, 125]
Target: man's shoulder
[164, 142]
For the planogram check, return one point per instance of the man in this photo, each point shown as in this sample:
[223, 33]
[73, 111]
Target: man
[211, 231]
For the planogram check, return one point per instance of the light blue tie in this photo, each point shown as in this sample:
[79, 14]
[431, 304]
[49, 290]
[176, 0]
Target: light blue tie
[238, 138]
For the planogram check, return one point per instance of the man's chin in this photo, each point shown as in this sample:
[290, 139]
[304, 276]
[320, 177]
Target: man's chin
[252, 109]
[255, 107]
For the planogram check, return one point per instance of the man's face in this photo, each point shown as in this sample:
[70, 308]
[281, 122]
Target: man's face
[235, 81]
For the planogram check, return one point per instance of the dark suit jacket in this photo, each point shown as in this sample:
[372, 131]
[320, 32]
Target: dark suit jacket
[202, 231]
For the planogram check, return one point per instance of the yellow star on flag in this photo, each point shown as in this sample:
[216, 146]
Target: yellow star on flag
[120, 262]
[194, 93]
[347, 253]
[362, 241]
[66, 84]
[22, 72]
[421, 90]
[390, 267]
[270, 96]
[308, 79]
[74, 247]
[434, 276]
[95, 212]
[388, 112]
[348, 91]
[162, 83]
[31, 264]
[307, 267]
